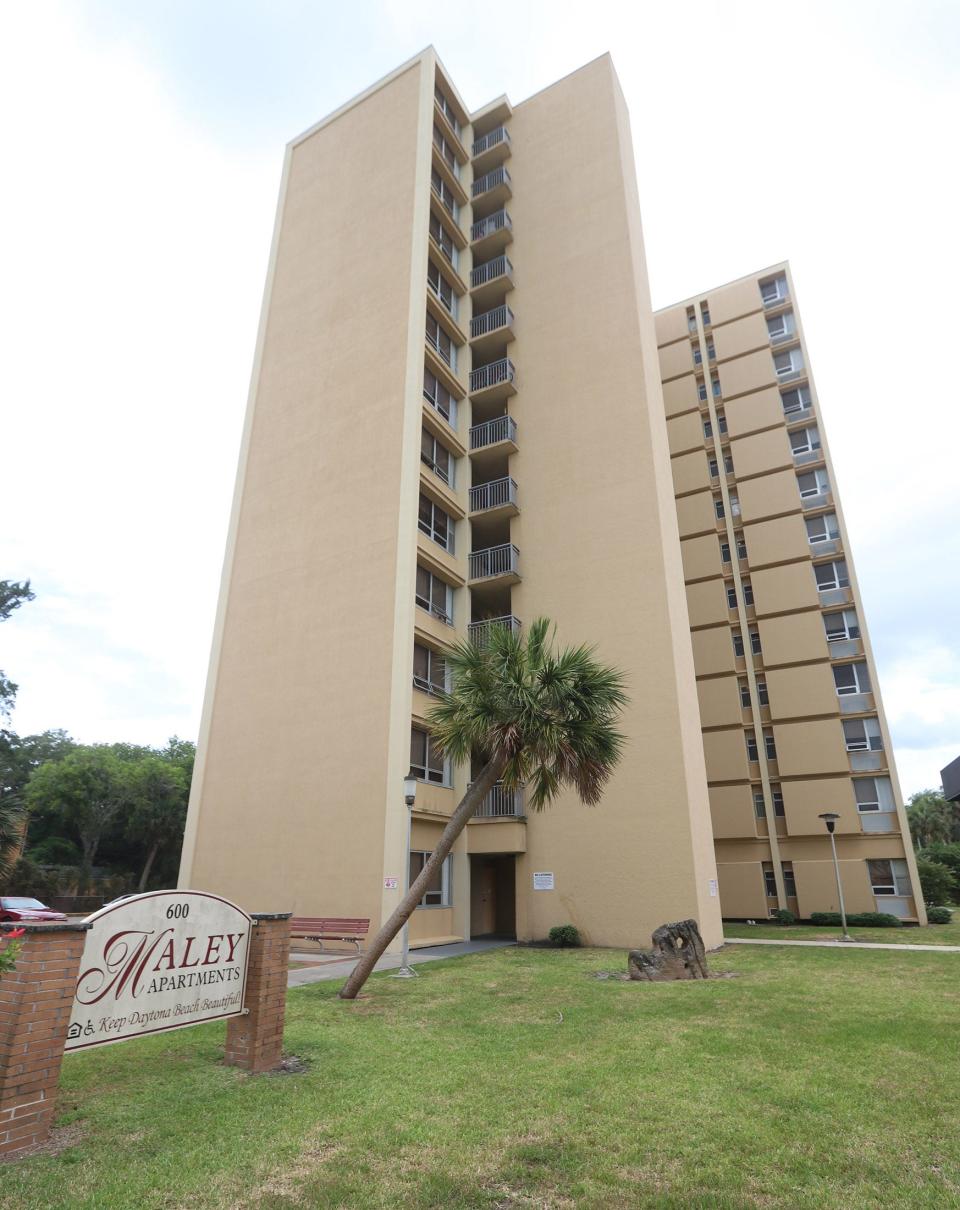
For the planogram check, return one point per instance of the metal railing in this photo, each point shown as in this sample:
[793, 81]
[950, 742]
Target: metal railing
[497, 221]
[490, 270]
[492, 138]
[500, 428]
[501, 803]
[494, 494]
[480, 630]
[494, 561]
[493, 375]
[490, 321]
[490, 180]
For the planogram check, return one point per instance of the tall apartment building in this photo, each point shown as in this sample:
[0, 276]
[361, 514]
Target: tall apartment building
[455, 421]
[793, 724]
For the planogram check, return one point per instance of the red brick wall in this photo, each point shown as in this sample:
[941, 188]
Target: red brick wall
[255, 1041]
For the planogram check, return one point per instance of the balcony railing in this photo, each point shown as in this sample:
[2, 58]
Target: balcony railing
[493, 375]
[490, 180]
[500, 428]
[495, 494]
[490, 321]
[497, 221]
[479, 631]
[498, 135]
[494, 561]
[501, 803]
[490, 270]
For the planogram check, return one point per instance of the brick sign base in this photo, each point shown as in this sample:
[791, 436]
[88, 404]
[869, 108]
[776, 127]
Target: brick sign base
[36, 1000]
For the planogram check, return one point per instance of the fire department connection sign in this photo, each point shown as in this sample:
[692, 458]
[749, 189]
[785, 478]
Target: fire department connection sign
[159, 961]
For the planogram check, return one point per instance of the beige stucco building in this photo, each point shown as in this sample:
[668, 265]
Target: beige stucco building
[438, 436]
[793, 724]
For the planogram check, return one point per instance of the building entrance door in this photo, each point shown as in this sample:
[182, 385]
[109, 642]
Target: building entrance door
[493, 895]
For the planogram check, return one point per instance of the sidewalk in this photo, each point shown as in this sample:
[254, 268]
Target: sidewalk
[339, 968]
[845, 945]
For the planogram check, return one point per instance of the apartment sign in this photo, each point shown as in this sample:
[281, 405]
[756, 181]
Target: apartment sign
[543, 880]
[159, 961]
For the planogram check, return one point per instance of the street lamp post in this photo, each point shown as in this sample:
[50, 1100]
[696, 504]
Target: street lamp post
[830, 819]
[406, 971]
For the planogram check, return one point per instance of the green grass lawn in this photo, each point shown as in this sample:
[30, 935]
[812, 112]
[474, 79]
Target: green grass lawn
[814, 1079]
[931, 934]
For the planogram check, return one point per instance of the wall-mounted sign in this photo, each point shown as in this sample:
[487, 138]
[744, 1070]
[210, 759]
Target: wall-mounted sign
[543, 880]
[391, 884]
[159, 961]
[713, 888]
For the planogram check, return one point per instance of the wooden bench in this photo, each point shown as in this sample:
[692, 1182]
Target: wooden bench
[329, 928]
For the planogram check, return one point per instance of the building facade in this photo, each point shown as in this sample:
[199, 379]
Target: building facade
[790, 707]
[444, 292]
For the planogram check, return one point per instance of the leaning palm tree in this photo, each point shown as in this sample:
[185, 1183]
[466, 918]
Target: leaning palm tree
[532, 716]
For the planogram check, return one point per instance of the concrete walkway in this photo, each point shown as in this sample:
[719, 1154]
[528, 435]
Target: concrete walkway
[845, 945]
[338, 968]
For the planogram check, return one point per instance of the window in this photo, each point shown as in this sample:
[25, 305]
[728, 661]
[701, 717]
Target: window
[747, 592]
[804, 441]
[738, 649]
[841, 625]
[441, 287]
[442, 190]
[755, 642]
[813, 483]
[437, 893]
[889, 877]
[705, 313]
[439, 398]
[715, 467]
[770, 882]
[789, 884]
[445, 150]
[770, 747]
[822, 529]
[439, 340]
[707, 429]
[731, 597]
[735, 504]
[446, 109]
[429, 672]
[718, 508]
[773, 290]
[443, 238]
[744, 694]
[435, 523]
[721, 422]
[831, 575]
[795, 400]
[851, 678]
[711, 351]
[715, 384]
[873, 794]
[697, 355]
[702, 390]
[691, 319]
[425, 759]
[436, 455]
[862, 735]
[724, 552]
[434, 595]
[781, 326]
[788, 364]
[762, 696]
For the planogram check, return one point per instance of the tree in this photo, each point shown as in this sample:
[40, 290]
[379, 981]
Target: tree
[157, 794]
[530, 716]
[88, 787]
[19, 756]
[936, 881]
[12, 596]
[932, 819]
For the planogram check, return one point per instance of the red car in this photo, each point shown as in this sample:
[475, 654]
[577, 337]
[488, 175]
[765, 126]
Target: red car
[28, 911]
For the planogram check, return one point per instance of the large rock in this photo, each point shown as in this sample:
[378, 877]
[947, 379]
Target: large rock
[677, 953]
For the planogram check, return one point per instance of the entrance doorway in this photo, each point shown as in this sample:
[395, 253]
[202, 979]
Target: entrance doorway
[493, 895]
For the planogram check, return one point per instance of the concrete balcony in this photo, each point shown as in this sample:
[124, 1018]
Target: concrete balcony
[495, 564]
[498, 435]
[494, 382]
[501, 803]
[495, 499]
[493, 188]
[491, 279]
[491, 329]
[490, 149]
[492, 234]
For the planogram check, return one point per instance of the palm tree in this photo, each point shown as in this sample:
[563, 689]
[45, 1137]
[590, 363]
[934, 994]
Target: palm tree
[13, 821]
[532, 716]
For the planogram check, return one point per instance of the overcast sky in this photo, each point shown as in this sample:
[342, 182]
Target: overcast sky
[142, 146]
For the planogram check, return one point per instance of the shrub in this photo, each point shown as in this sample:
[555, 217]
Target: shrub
[945, 854]
[564, 935]
[939, 915]
[877, 920]
[783, 916]
[936, 881]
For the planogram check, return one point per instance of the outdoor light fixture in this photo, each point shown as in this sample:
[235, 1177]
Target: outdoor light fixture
[406, 971]
[830, 819]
